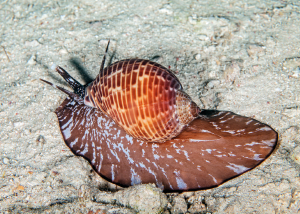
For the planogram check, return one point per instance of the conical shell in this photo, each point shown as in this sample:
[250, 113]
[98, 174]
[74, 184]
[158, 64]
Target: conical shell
[144, 98]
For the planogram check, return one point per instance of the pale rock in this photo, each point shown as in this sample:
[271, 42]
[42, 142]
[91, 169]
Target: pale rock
[255, 50]
[5, 160]
[196, 204]
[166, 11]
[212, 84]
[32, 60]
[198, 57]
[232, 72]
[142, 198]
[62, 51]
[33, 43]
[18, 124]
[295, 156]
[179, 205]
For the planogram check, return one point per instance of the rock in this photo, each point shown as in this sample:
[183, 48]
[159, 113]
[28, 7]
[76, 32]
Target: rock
[166, 11]
[255, 50]
[62, 51]
[142, 198]
[196, 205]
[179, 205]
[295, 156]
[212, 84]
[197, 208]
[5, 160]
[232, 72]
[197, 57]
[291, 64]
[33, 43]
[32, 60]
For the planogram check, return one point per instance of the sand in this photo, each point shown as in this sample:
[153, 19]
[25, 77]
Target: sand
[240, 56]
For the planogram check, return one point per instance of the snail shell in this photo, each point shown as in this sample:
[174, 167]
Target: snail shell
[144, 98]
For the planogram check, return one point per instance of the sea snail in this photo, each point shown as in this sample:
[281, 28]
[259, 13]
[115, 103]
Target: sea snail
[134, 124]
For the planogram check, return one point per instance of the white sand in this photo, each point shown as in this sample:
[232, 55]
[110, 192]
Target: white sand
[242, 56]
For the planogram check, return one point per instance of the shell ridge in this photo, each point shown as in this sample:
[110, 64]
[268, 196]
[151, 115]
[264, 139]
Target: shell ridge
[163, 111]
[124, 66]
[145, 127]
[126, 116]
[116, 93]
[159, 123]
[134, 102]
[167, 135]
[129, 101]
[100, 89]
[137, 98]
[105, 89]
[168, 70]
[153, 64]
[96, 92]
[130, 104]
[99, 92]
[113, 101]
[148, 114]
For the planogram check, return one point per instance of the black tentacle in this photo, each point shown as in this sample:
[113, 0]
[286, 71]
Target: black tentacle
[79, 90]
[72, 95]
[104, 57]
[77, 87]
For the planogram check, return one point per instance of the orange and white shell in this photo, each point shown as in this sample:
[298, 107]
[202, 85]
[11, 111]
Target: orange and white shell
[144, 98]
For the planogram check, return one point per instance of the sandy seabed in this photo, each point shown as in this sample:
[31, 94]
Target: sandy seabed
[240, 56]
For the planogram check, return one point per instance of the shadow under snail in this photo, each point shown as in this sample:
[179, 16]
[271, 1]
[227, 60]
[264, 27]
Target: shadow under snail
[135, 124]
